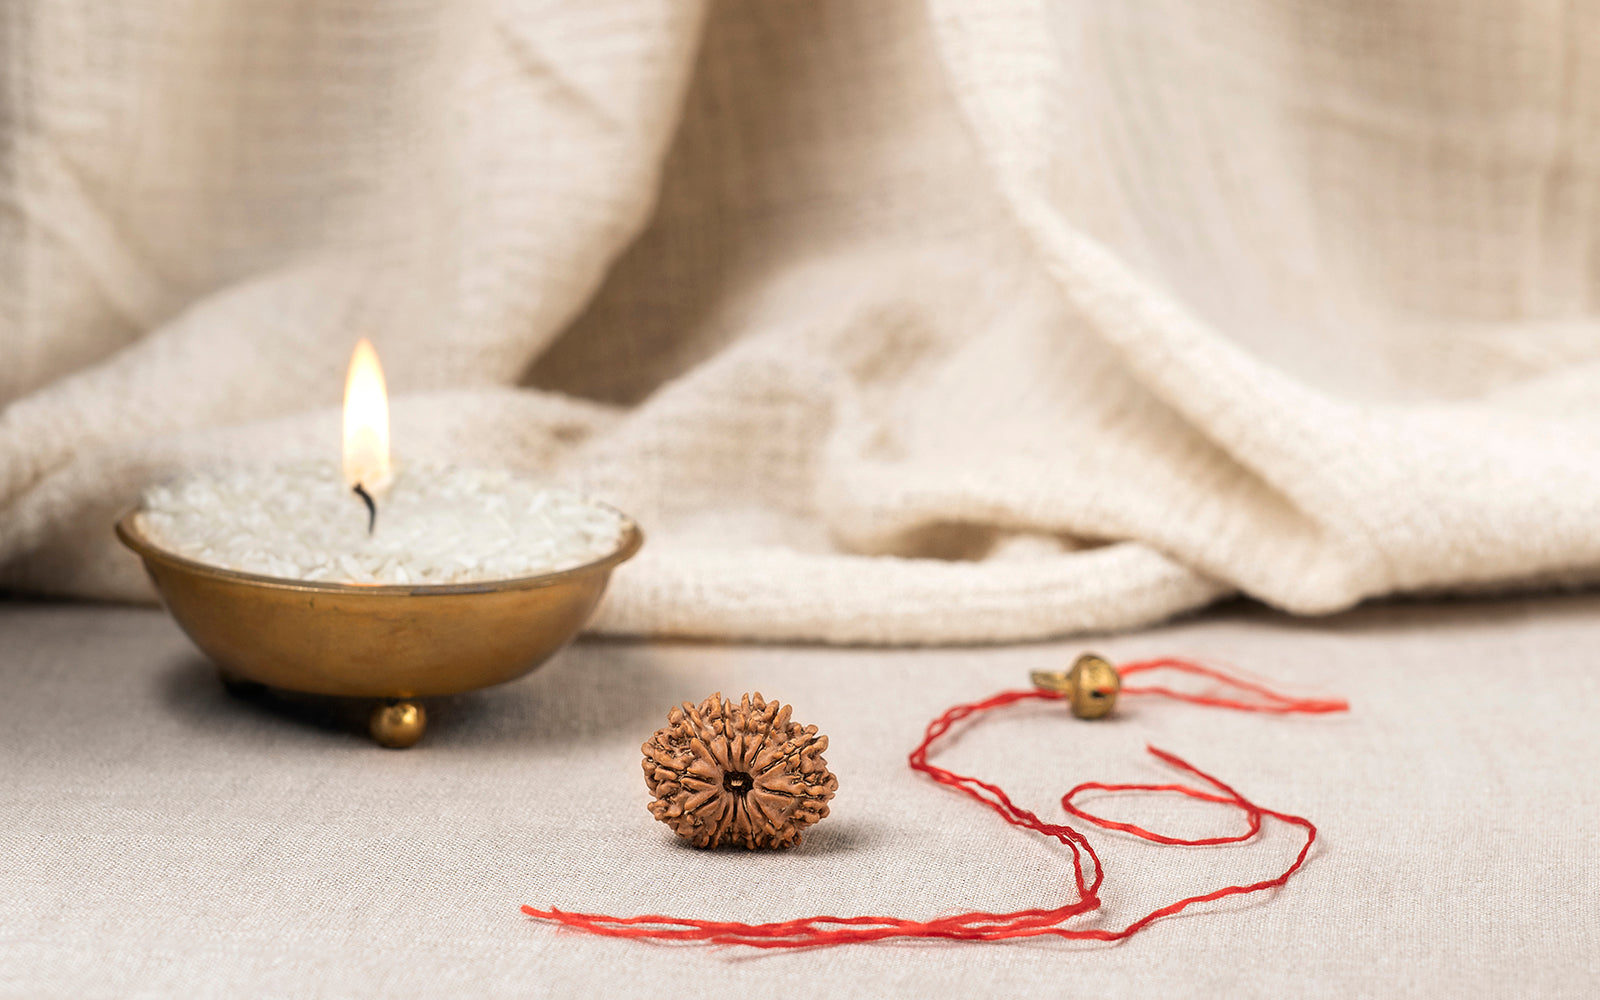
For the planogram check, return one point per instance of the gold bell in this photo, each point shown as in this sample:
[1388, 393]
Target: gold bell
[1090, 687]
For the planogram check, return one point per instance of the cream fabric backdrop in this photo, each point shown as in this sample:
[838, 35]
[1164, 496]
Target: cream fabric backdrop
[891, 321]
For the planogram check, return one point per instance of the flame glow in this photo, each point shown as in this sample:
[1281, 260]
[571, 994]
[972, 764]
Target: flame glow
[366, 421]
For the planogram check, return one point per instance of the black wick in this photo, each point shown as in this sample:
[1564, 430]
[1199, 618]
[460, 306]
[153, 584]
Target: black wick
[372, 506]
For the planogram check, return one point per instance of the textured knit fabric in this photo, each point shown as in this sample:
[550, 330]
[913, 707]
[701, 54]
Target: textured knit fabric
[890, 321]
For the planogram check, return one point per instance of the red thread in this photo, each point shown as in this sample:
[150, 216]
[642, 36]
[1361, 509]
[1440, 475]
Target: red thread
[1271, 701]
[809, 932]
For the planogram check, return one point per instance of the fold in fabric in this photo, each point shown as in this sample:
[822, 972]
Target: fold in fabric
[891, 323]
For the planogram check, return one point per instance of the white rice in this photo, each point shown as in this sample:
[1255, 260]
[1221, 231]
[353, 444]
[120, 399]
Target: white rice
[435, 525]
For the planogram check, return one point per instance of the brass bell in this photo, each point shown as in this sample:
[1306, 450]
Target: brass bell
[1090, 687]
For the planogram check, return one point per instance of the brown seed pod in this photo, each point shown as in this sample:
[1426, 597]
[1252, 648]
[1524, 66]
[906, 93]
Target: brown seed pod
[726, 774]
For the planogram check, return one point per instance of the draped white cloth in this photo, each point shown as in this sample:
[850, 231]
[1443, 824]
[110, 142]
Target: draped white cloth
[891, 322]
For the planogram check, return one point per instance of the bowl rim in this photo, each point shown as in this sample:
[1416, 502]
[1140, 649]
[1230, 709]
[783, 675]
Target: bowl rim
[132, 535]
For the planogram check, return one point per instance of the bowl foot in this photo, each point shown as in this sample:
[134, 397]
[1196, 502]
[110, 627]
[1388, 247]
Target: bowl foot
[397, 723]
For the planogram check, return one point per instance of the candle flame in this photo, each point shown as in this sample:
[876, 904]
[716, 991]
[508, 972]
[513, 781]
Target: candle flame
[366, 421]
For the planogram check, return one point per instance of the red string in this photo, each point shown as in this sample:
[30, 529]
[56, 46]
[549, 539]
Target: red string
[1087, 873]
[1271, 701]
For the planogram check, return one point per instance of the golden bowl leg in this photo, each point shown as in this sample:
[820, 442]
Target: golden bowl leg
[397, 724]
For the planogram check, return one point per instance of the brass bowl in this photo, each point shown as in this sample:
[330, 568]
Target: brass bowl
[393, 643]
